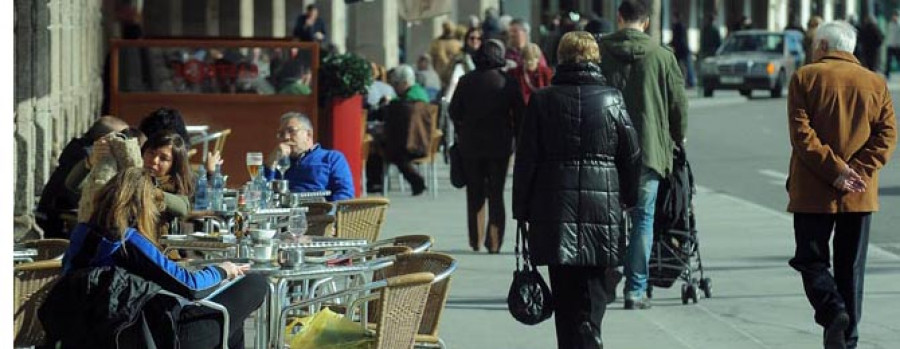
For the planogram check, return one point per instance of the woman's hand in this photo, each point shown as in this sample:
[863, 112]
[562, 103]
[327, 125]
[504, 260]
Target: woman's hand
[213, 159]
[233, 270]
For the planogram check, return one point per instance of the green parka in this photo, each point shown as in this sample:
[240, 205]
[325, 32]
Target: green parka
[651, 82]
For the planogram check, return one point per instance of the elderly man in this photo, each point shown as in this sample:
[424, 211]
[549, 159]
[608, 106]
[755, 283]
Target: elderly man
[843, 131]
[312, 167]
[519, 31]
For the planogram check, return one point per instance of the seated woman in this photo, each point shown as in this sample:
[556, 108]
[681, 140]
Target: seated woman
[122, 232]
[165, 155]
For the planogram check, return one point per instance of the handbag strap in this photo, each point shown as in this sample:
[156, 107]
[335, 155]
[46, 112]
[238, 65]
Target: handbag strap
[521, 231]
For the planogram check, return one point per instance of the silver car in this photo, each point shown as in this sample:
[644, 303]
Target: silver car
[753, 60]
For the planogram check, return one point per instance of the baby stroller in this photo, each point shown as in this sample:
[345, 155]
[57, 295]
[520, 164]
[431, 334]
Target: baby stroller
[675, 254]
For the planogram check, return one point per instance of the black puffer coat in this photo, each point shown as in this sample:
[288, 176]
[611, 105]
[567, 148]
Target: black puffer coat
[578, 161]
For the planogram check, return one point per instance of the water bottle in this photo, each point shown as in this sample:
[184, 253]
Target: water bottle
[264, 193]
[201, 196]
[217, 189]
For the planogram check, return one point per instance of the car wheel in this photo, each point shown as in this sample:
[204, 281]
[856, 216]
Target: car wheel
[708, 92]
[746, 93]
[779, 86]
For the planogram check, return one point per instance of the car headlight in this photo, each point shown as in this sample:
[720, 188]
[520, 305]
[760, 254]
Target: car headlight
[763, 68]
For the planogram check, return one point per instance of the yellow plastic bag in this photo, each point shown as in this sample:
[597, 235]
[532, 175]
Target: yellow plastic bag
[328, 330]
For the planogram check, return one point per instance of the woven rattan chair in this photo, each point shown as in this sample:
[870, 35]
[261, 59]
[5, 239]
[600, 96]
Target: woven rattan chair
[360, 218]
[318, 208]
[48, 248]
[418, 243]
[31, 284]
[403, 299]
[442, 266]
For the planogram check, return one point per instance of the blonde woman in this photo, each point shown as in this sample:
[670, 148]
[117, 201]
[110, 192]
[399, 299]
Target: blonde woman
[122, 232]
[531, 74]
[577, 167]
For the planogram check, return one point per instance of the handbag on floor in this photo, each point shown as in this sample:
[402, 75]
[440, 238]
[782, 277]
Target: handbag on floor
[529, 299]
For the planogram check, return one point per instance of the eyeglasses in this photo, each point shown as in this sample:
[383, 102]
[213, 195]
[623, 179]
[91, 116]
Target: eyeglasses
[289, 130]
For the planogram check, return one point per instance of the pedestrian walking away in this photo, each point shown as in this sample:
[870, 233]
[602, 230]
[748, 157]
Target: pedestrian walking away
[653, 87]
[842, 130]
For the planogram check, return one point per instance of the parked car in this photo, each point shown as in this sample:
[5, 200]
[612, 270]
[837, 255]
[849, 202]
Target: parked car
[753, 60]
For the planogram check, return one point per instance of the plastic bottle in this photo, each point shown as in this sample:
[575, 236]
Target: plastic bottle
[217, 189]
[201, 194]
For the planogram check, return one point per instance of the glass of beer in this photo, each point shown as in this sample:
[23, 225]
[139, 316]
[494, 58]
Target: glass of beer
[254, 164]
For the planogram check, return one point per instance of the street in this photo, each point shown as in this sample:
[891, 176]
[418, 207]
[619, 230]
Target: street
[741, 148]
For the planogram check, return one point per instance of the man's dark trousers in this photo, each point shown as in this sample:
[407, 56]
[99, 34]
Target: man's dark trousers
[844, 290]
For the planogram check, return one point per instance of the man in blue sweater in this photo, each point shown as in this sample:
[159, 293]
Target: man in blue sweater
[312, 167]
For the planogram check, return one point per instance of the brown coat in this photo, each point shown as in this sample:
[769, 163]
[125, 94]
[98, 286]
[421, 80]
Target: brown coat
[839, 114]
[407, 130]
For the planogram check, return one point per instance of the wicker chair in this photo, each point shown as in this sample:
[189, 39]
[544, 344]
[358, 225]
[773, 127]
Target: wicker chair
[417, 243]
[442, 266]
[31, 284]
[318, 208]
[48, 248]
[360, 218]
[402, 297]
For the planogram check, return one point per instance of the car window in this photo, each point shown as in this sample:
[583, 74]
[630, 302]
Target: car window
[772, 43]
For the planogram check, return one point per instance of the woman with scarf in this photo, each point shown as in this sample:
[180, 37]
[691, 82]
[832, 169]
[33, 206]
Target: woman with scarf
[532, 75]
[485, 128]
[463, 63]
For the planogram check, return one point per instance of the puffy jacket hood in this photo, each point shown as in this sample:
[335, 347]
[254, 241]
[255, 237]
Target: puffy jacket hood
[587, 73]
[628, 45]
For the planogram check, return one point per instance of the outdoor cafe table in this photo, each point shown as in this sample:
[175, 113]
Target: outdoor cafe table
[21, 255]
[267, 319]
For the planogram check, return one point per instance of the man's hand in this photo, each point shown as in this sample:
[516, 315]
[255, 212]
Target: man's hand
[233, 270]
[849, 181]
[283, 149]
[99, 151]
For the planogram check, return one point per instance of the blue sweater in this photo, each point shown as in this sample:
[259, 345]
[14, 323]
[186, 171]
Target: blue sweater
[136, 254]
[317, 170]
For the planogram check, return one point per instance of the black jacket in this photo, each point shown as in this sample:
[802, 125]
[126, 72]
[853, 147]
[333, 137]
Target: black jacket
[485, 108]
[108, 307]
[578, 160]
[56, 198]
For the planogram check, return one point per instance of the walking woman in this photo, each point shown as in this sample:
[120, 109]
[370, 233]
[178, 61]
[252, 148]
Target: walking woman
[484, 111]
[577, 166]
[122, 232]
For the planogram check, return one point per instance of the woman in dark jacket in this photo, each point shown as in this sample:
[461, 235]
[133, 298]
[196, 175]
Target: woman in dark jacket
[485, 107]
[577, 166]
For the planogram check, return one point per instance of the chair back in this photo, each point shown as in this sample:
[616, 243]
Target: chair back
[220, 140]
[439, 264]
[318, 208]
[320, 225]
[48, 248]
[360, 218]
[402, 303]
[31, 284]
[434, 133]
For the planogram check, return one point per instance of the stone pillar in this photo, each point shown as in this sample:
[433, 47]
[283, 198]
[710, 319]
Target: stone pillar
[828, 10]
[777, 15]
[334, 13]
[851, 10]
[280, 21]
[375, 28]
[419, 36]
[245, 16]
[804, 12]
[466, 8]
[212, 18]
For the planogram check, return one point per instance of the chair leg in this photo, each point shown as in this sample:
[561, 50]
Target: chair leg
[401, 181]
[385, 178]
[434, 180]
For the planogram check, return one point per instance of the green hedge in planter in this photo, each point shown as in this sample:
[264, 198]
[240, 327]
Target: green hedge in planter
[343, 76]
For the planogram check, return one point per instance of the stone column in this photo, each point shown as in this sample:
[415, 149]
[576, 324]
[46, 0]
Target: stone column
[466, 8]
[375, 28]
[419, 36]
[280, 22]
[212, 18]
[245, 16]
[804, 12]
[851, 10]
[828, 10]
[334, 14]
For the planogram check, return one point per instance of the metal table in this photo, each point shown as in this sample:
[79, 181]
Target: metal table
[187, 242]
[25, 255]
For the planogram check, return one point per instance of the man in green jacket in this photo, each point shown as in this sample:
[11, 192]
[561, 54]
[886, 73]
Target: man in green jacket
[651, 82]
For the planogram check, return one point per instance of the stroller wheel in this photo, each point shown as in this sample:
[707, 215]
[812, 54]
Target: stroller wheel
[684, 294]
[693, 291]
[649, 291]
[706, 287]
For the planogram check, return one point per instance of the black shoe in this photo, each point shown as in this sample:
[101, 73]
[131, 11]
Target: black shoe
[834, 332]
[643, 303]
[418, 189]
[610, 282]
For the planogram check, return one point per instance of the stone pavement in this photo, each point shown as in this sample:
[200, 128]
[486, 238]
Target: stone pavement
[757, 302]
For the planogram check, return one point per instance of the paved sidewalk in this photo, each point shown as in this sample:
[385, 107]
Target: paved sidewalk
[757, 302]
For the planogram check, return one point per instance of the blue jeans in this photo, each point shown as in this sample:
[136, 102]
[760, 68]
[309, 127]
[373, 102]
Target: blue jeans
[637, 254]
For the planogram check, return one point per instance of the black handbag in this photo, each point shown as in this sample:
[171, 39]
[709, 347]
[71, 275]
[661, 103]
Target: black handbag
[529, 299]
[457, 175]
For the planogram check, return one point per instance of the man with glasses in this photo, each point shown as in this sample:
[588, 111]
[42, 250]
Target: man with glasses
[312, 167]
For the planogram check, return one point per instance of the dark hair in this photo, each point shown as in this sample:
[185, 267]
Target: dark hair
[466, 47]
[180, 172]
[103, 126]
[164, 119]
[132, 132]
[490, 55]
[634, 10]
[311, 7]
